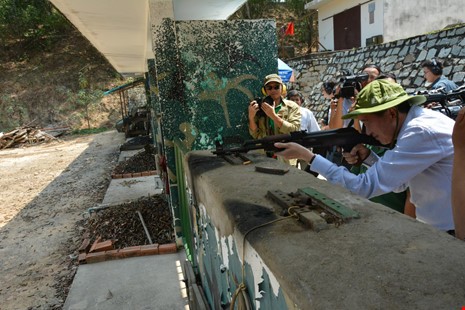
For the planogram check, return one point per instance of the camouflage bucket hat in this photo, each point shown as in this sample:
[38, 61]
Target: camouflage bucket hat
[272, 78]
[381, 95]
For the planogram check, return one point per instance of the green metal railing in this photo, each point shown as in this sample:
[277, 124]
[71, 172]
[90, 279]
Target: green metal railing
[184, 207]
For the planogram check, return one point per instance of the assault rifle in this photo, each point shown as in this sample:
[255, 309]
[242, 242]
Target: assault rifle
[346, 138]
[448, 103]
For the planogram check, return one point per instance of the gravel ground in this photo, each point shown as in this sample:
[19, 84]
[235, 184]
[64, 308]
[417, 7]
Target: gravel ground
[46, 189]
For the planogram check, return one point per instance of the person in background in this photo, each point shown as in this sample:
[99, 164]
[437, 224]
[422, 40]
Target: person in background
[324, 123]
[308, 122]
[341, 106]
[279, 116]
[327, 90]
[373, 71]
[391, 77]
[458, 175]
[420, 157]
[433, 70]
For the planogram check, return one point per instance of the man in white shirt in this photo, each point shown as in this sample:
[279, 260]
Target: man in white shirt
[308, 121]
[421, 156]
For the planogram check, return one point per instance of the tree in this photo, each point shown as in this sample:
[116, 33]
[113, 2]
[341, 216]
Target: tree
[30, 21]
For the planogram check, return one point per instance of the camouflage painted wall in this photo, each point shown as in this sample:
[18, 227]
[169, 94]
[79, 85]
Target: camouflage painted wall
[204, 75]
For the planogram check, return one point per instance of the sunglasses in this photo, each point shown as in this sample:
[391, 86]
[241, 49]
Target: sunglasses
[272, 87]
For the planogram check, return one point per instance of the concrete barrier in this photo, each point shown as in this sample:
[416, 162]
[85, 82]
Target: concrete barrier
[383, 259]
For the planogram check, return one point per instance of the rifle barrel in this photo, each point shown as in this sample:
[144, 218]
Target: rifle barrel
[344, 137]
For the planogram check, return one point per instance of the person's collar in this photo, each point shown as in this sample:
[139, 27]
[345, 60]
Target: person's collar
[285, 101]
[436, 81]
[411, 114]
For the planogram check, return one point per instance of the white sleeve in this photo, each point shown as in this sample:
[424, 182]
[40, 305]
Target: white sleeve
[312, 123]
[416, 150]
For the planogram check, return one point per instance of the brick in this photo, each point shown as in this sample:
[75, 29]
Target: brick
[84, 245]
[112, 254]
[130, 251]
[94, 244]
[82, 258]
[167, 248]
[153, 172]
[151, 249]
[95, 257]
[104, 246]
[116, 176]
[145, 173]
[127, 175]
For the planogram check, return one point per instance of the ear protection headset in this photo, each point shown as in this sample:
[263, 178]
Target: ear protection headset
[283, 90]
[436, 67]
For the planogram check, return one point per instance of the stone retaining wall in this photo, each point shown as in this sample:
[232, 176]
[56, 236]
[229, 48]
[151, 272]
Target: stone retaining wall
[402, 57]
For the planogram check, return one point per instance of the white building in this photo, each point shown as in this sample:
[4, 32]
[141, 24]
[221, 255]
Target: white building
[345, 24]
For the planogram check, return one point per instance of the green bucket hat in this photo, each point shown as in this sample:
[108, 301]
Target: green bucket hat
[381, 95]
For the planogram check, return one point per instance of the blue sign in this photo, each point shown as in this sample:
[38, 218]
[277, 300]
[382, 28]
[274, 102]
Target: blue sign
[285, 72]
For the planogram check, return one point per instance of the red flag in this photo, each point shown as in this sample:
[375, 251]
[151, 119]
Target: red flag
[290, 29]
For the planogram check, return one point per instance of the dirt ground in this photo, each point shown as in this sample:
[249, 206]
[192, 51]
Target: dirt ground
[45, 189]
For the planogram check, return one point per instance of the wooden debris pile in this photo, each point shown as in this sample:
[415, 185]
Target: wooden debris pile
[22, 135]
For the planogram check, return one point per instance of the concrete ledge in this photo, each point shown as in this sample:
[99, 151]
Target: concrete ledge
[130, 189]
[145, 282]
[383, 259]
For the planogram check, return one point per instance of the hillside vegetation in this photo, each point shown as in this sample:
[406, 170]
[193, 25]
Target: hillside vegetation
[50, 75]
[60, 86]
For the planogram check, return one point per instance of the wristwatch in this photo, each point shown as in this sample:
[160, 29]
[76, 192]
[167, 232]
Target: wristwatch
[311, 159]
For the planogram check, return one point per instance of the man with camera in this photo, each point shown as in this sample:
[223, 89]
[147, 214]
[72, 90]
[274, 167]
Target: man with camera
[346, 91]
[343, 96]
[273, 114]
[420, 157]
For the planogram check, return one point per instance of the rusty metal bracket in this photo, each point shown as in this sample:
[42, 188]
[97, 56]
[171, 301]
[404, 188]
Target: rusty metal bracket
[330, 205]
[295, 205]
[313, 209]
